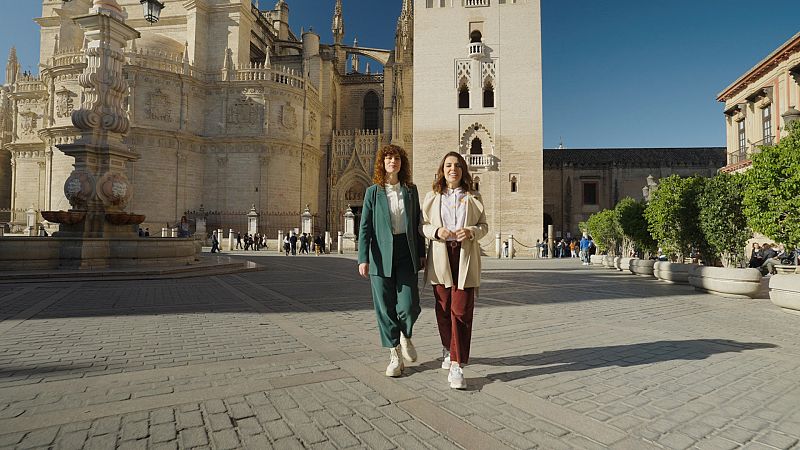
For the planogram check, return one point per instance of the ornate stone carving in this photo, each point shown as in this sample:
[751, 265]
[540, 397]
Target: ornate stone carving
[158, 106]
[79, 188]
[64, 102]
[244, 112]
[114, 190]
[28, 122]
[312, 122]
[288, 117]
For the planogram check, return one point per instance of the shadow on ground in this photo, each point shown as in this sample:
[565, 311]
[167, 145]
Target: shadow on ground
[576, 359]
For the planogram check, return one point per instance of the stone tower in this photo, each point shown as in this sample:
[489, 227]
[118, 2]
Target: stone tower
[478, 91]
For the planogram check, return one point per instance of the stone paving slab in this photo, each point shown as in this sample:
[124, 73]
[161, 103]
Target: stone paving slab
[563, 357]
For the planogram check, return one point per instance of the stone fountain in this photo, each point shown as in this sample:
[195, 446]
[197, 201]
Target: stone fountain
[97, 232]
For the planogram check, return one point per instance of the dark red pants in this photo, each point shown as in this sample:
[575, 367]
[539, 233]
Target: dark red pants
[454, 309]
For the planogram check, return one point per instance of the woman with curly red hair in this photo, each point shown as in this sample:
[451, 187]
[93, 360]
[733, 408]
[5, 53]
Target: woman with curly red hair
[391, 252]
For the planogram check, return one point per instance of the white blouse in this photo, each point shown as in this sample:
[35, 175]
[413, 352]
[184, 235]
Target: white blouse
[397, 208]
[454, 209]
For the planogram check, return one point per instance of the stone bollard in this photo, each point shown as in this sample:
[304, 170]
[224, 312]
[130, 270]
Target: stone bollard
[219, 237]
[174, 232]
[511, 246]
[551, 244]
[280, 241]
[498, 246]
[164, 232]
[231, 240]
[340, 244]
[328, 241]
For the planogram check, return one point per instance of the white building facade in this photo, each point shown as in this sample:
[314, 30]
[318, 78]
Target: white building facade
[478, 91]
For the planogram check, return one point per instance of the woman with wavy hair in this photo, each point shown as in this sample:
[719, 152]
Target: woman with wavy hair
[453, 218]
[391, 252]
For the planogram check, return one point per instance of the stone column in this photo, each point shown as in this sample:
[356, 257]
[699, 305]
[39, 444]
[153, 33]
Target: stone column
[306, 222]
[511, 246]
[252, 221]
[231, 240]
[280, 240]
[339, 243]
[328, 242]
[550, 240]
[349, 236]
[498, 246]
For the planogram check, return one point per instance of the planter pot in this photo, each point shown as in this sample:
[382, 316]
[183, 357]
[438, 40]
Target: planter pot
[596, 260]
[784, 291]
[609, 262]
[643, 267]
[782, 269]
[726, 281]
[672, 272]
[625, 264]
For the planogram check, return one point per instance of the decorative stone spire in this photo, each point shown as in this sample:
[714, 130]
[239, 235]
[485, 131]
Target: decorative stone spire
[354, 57]
[338, 23]
[12, 67]
[405, 25]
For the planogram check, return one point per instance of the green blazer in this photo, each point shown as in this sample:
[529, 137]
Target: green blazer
[375, 239]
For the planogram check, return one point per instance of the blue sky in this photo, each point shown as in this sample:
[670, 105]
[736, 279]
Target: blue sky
[618, 73]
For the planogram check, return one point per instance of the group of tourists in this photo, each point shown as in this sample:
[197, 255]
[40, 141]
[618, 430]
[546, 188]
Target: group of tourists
[250, 241]
[303, 243]
[393, 229]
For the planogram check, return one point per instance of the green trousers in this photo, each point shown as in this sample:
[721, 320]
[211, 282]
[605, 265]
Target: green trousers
[396, 298]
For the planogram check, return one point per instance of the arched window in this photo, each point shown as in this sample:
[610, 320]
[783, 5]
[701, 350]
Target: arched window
[476, 148]
[513, 184]
[372, 111]
[476, 184]
[488, 96]
[475, 36]
[463, 97]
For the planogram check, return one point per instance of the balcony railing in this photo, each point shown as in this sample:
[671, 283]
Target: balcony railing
[475, 49]
[486, 162]
[475, 3]
[746, 153]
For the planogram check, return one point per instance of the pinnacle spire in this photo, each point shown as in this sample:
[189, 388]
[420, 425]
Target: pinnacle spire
[338, 23]
[12, 67]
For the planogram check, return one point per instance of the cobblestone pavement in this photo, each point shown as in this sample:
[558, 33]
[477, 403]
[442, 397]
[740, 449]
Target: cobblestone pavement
[563, 356]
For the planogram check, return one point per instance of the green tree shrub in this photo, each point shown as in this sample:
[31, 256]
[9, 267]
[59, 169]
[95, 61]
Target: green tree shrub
[633, 227]
[604, 231]
[673, 216]
[772, 190]
[722, 219]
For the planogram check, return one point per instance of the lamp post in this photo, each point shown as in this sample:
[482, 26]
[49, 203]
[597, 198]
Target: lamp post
[151, 8]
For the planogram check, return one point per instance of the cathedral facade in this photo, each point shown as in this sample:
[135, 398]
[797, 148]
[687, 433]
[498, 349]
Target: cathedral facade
[230, 109]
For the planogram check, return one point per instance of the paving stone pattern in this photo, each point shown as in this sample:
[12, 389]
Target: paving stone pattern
[563, 356]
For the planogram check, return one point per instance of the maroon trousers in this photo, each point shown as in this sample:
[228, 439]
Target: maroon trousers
[454, 309]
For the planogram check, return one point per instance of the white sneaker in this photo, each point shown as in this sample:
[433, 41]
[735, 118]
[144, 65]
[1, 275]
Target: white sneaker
[407, 348]
[445, 358]
[395, 367]
[456, 377]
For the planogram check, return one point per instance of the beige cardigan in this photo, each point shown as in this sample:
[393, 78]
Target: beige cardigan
[437, 269]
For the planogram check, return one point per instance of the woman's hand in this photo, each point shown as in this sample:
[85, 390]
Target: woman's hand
[444, 234]
[363, 269]
[463, 234]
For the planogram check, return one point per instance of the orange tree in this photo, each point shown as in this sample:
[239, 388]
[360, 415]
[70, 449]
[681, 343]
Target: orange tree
[772, 190]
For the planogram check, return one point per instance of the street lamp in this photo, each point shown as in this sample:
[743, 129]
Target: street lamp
[152, 10]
